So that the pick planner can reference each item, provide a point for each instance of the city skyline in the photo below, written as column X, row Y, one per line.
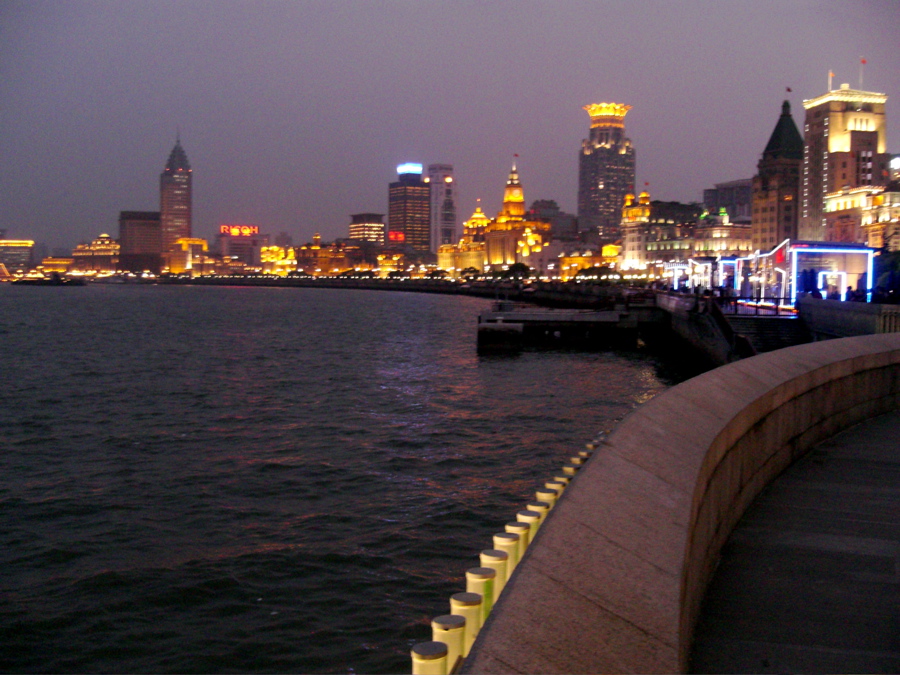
column 301, row 121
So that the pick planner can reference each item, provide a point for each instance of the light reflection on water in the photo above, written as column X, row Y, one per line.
column 250, row 479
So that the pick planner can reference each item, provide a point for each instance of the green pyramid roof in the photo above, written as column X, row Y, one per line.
column 785, row 141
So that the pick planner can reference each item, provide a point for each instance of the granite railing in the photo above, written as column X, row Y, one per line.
column 614, row 579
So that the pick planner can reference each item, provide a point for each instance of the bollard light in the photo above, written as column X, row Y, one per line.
column 481, row 580
column 563, row 478
column 498, row 561
column 547, row 496
column 557, row 485
column 524, row 532
column 451, row 630
column 508, row 542
column 429, row 658
column 468, row 606
column 533, row 519
column 543, row 508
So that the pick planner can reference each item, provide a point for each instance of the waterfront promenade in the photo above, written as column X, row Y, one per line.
column 809, row 580
column 615, row 579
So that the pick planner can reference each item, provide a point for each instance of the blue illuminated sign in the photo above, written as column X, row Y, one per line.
column 409, row 167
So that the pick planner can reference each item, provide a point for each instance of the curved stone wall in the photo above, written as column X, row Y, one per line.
column 615, row 577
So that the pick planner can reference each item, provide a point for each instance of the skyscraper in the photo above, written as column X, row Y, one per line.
column 605, row 169
column 175, row 198
column 409, row 209
column 844, row 148
column 443, row 205
column 776, row 186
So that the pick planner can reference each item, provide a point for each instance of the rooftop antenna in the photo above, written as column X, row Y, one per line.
column 862, row 62
column 830, row 75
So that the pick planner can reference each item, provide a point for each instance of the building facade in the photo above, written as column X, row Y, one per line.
column 776, row 186
column 511, row 237
column 443, row 205
column 367, row 227
column 101, row 255
column 409, row 209
column 16, row 255
column 140, row 241
column 242, row 243
column 175, row 202
column 605, row 169
column 844, row 148
column 735, row 196
column 469, row 254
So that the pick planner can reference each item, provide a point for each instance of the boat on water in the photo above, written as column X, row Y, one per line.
column 54, row 280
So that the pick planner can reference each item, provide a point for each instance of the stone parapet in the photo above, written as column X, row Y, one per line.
column 614, row 579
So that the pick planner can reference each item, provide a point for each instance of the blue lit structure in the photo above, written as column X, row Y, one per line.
column 792, row 268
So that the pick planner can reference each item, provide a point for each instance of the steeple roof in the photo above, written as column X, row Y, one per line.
column 178, row 160
column 785, row 141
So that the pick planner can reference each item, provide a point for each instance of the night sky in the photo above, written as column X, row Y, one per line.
column 295, row 114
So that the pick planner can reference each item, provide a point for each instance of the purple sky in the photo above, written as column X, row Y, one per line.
column 295, row 114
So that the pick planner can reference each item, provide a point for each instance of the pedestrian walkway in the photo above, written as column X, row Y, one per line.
column 809, row 581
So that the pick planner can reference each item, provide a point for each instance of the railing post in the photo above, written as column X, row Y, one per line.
column 429, row 658
column 451, row 630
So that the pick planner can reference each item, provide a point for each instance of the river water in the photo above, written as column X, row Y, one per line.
column 206, row 479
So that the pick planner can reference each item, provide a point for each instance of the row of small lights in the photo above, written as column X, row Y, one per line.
column 453, row 634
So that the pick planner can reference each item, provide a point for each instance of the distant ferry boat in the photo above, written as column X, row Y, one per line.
column 55, row 280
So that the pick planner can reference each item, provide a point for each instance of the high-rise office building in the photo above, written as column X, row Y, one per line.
column 844, row 148
column 605, row 170
column 175, row 198
column 776, row 186
column 409, row 209
column 443, row 205
column 140, row 241
column 367, row 227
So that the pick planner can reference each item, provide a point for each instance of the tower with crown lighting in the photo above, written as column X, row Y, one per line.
column 605, row 170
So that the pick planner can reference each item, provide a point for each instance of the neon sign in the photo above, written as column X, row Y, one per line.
column 399, row 237
column 409, row 167
column 239, row 230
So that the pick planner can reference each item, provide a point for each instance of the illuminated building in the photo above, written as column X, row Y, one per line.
column 140, row 241
column 409, row 209
column 717, row 236
column 101, row 255
column 511, row 237
column 443, row 205
column 776, row 186
column 189, row 255
column 54, row 264
column 367, row 227
column 316, row 259
column 656, row 232
column 241, row 242
column 869, row 215
column 175, row 198
column 278, row 260
column 16, row 254
column 605, row 169
column 735, row 196
column 469, row 253
column 844, row 148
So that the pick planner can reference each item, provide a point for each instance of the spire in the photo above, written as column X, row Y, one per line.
column 785, row 141
column 178, row 160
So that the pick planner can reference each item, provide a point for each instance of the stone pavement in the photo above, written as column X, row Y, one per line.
column 809, row 581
